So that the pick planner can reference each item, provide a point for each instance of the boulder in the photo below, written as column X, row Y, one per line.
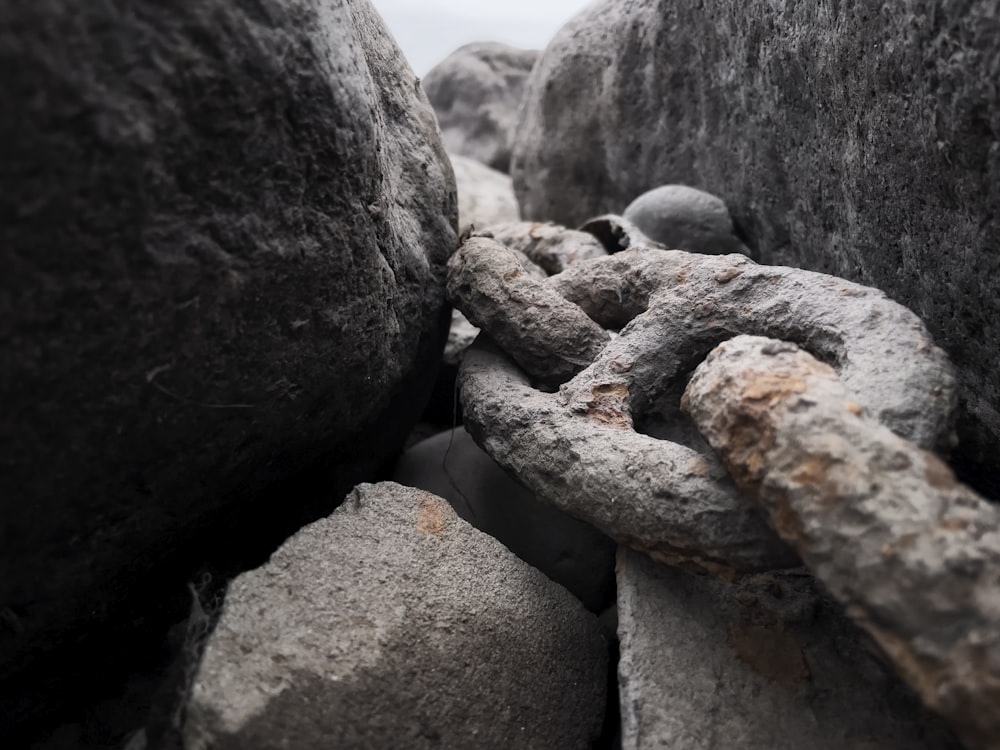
column 476, row 92
column 849, row 138
column 766, row 663
column 221, row 272
column 485, row 196
column 684, row 218
column 570, row 552
column 394, row 623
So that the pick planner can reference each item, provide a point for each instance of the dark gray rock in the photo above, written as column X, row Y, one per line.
column 855, row 139
column 393, row 623
column 766, row 663
column 567, row 550
column 485, row 196
column 476, row 92
column 223, row 231
column 684, row 218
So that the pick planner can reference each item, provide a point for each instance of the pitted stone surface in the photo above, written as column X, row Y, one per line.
column 913, row 555
column 768, row 663
column 393, row 623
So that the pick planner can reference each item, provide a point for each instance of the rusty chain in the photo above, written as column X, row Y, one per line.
column 825, row 416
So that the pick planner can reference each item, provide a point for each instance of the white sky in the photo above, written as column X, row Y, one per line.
column 429, row 30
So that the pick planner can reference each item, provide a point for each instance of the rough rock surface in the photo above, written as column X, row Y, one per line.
column 857, row 139
column 911, row 553
column 223, row 230
column 393, row 623
column 768, row 663
column 485, row 196
column 476, row 92
column 684, row 218
column 570, row 552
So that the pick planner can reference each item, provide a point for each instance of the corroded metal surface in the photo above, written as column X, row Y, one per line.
column 912, row 554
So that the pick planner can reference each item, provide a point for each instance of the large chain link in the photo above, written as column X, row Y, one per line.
column 831, row 440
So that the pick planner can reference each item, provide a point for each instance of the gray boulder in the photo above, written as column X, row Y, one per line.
column 476, row 92
column 853, row 139
column 485, row 196
column 767, row 663
column 684, row 218
column 391, row 624
column 567, row 550
column 221, row 270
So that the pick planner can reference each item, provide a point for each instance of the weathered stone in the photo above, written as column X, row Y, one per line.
column 578, row 448
column 683, row 218
column 393, row 623
column 913, row 555
column 548, row 245
column 567, row 550
column 851, row 138
column 476, row 92
column 222, row 247
column 548, row 336
column 767, row 663
column 485, row 196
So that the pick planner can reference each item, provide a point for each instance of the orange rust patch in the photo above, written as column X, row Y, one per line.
column 607, row 404
column 814, row 472
column 429, row 518
column 771, row 387
column 853, row 408
column 937, row 473
column 771, row 652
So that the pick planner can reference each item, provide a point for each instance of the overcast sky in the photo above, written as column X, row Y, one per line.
column 429, row 30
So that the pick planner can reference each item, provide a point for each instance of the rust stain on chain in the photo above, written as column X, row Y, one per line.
column 772, row 387
column 607, row 404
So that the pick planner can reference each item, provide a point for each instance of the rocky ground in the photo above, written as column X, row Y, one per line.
column 707, row 459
